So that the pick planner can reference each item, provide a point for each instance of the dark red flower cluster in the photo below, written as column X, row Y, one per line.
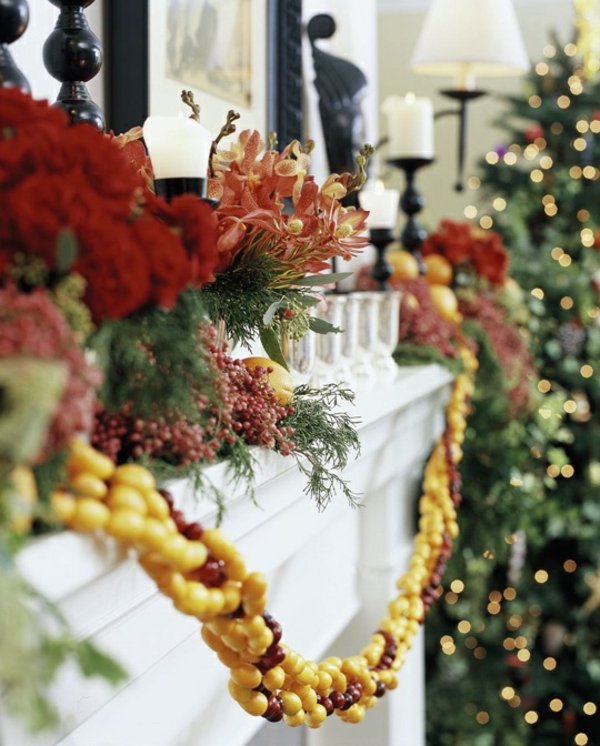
column 475, row 249
column 243, row 405
column 509, row 346
column 133, row 248
column 32, row 327
column 420, row 322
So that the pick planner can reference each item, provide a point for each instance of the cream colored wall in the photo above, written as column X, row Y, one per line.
column 397, row 33
column 27, row 51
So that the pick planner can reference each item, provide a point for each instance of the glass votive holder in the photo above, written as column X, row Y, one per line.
column 330, row 345
column 300, row 355
column 389, row 326
column 368, row 334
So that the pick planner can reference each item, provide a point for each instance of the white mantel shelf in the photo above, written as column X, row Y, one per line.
column 330, row 577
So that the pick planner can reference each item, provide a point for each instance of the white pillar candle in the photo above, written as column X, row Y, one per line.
column 178, row 147
column 382, row 205
column 410, row 126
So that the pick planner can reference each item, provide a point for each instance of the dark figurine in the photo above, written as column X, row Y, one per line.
column 341, row 86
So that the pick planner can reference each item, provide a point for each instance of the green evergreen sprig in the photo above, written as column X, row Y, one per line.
column 325, row 438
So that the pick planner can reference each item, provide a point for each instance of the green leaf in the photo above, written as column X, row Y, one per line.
column 272, row 310
column 320, row 326
column 325, row 279
column 66, row 250
column 270, row 341
column 94, row 663
column 305, row 300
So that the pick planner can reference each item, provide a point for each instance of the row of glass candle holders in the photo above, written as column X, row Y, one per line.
column 361, row 353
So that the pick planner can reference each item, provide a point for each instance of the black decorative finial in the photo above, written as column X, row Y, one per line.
column 73, row 55
column 14, row 17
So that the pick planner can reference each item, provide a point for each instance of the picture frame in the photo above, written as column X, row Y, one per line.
column 137, row 86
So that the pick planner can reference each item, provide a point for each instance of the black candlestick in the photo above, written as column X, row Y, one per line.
column 14, row 17
column 412, row 202
column 73, row 55
column 381, row 270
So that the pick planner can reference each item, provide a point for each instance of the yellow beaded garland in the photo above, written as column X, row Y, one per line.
column 267, row 678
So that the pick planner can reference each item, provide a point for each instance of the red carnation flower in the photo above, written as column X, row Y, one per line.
column 116, row 269
column 19, row 111
column 170, row 269
column 198, row 224
column 39, row 208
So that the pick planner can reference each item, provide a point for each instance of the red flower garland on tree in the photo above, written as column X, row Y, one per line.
column 476, row 250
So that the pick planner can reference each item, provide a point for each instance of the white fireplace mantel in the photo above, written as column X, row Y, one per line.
column 330, row 577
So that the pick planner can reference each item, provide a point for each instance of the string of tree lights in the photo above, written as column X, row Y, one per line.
column 515, row 648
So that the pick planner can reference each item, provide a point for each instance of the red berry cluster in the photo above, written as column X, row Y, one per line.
column 243, row 405
column 420, row 323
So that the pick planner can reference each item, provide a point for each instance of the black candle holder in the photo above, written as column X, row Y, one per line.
column 73, row 55
column 14, row 17
column 171, row 188
column 412, row 202
column 381, row 271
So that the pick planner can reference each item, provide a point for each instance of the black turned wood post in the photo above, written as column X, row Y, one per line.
column 73, row 55
column 14, row 17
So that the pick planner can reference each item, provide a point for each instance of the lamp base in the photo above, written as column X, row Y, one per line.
column 171, row 188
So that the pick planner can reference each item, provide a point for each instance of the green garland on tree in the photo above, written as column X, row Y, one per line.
column 525, row 662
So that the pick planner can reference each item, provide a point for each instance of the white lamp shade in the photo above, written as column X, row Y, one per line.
column 178, row 147
column 467, row 38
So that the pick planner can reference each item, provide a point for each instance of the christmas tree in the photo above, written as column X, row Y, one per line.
column 514, row 653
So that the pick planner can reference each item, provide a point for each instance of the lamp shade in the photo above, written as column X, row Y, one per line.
column 468, row 38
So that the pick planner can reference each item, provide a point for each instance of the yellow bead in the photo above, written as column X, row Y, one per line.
column 63, row 505
column 156, row 504
column 88, row 485
column 274, row 678
column 174, row 550
column 325, row 681
column 316, row 716
column 309, row 699
column 196, row 599
column 215, row 540
column 307, row 676
column 256, row 705
column 355, row 714
column 125, row 525
column 235, row 568
column 339, row 683
column 90, row 515
column 123, row 496
column 246, row 675
column 229, row 657
column 295, row 720
column 291, row 703
column 241, row 694
column 194, row 556
column 254, row 625
column 135, row 476
column 254, row 586
column 84, row 458
column 232, row 594
column 154, row 534
column 255, row 605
